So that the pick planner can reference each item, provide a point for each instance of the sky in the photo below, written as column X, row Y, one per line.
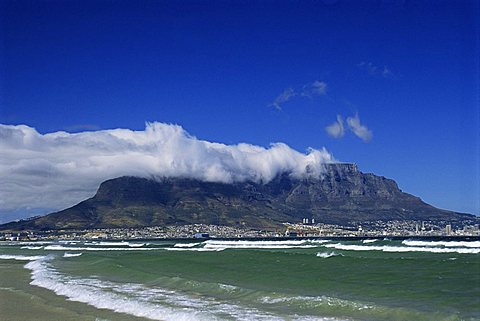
column 392, row 86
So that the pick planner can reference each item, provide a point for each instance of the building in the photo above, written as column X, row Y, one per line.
column 201, row 235
column 448, row 229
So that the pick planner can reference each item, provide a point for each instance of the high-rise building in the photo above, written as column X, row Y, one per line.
column 448, row 229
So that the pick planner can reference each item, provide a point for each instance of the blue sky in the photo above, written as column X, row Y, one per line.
column 407, row 69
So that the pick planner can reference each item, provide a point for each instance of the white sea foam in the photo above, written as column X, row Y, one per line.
column 114, row 243
column 369, row 241
column 186, row 244
column 318, row 241
column 316, row 300
column 326, row 255
column 105, row 243
column 31, row 247
column 136, row 244
column 71, row 248
column 29, row 243
column 94, row 293
column 68, row 242
column 138, row 300
column 66, row 254
column 474, row 244
column 280, row 242
column 244, row 244
column 220, row 245
column 228, row 287
column 349, row 247
column 197, row 249
column 237, row 246
column 20, row 257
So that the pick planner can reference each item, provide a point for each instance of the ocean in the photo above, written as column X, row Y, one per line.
column 275, row 279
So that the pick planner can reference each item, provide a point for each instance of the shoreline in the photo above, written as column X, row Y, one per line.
column 41, row 304
column 282, row 238
column 292, row 274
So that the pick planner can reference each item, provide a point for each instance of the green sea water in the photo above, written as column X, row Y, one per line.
column 331, row 279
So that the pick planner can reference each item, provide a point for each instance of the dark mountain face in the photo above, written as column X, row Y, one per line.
column 343, row 195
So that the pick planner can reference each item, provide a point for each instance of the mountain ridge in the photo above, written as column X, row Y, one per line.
column 341, row 195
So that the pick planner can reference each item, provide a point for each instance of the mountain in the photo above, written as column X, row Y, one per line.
column 342, row 195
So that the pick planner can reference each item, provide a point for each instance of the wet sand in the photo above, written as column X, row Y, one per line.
column 20, row 301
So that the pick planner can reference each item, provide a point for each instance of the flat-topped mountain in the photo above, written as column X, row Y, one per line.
column 341, row 195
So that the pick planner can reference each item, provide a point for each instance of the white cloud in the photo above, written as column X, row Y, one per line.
column 316, row 88
column 358, row 129
column 59, row 169
column 285, row 96
column 374, row 70
column 336, row 129
column 386, row 72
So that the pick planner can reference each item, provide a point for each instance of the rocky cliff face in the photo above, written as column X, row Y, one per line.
column 342, row 195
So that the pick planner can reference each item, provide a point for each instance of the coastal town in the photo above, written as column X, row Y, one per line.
column 306, row 228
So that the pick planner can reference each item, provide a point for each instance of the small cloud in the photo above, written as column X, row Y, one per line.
column 386, row 73
column 368, row 67
column 358, row 129
column 374, row 70
column 316, row 88
column 285, row 96
column 336, row 130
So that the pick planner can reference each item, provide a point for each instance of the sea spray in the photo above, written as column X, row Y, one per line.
column 326, row 255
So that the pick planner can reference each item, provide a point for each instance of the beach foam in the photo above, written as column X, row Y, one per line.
column 136, row 299
column 92, row 292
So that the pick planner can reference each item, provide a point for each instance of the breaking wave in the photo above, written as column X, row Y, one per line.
column 326, row 255
column 474, row 244
column 244, row 244
column 80, row 248
column 66, row 254
column 385, row 248
column 139, row 300
column 186, row 244
column 195, row 249
column 118, row 243
column 20, row 257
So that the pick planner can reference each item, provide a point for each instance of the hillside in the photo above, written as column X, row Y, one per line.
column 343, row 195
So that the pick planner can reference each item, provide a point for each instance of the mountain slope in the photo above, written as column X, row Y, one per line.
column 343, row 195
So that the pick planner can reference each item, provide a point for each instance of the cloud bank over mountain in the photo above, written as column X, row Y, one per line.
column 59, row 169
